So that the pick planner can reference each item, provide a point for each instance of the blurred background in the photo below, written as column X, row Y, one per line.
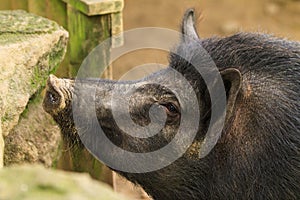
column 215, row 18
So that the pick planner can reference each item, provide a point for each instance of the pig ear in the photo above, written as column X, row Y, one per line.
column 232, row 80
column 188, row 29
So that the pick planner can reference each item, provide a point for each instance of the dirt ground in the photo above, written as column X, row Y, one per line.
column 215, row 17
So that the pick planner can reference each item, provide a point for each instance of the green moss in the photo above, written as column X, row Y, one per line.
column 18, row 25
column 86, row 32
column 36, row 98
column 56, row 56
column 37, row 78
column 51, row 189
column 6, row 117
column 79, row 5
column 40, row 73
column 11, row 38
column 26, row 23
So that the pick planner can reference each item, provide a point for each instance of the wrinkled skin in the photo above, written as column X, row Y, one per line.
column 258, row 154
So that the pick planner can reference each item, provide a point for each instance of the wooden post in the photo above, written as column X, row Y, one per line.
column 89, row 23
column 19, row 4
column 86, row 32
column 37, row 7
column 5, row 5
column 57, row 10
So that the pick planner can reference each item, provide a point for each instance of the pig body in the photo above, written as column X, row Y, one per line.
column 258, row 153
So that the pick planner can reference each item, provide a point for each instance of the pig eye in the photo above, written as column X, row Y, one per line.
column 171, row 108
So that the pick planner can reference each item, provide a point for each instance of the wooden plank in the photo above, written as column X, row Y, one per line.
column 19, row 4
column 5, row 5
column 37, row 7
column 116, row 29
column 57, row 10
column 86, row 32
column 97, row 7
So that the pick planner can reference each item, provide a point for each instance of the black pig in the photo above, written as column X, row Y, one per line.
column 258, row 153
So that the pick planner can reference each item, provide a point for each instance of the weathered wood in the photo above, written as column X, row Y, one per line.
column 89, row 22
column 97, row 7
column 57, row 11
column 37, row 7
column 86, row 32
column 51, row 9
column 5, row 5
column 87, row 29
column 19, row 4
column 80, row 160
column 116, row 29
column 102, row 7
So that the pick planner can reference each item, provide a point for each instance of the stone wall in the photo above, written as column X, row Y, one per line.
column 30, row 134
column 31, row 47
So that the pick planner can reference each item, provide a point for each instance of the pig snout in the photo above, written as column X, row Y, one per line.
column 58, row 94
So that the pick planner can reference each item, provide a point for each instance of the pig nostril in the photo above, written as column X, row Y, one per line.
column 53, row 98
